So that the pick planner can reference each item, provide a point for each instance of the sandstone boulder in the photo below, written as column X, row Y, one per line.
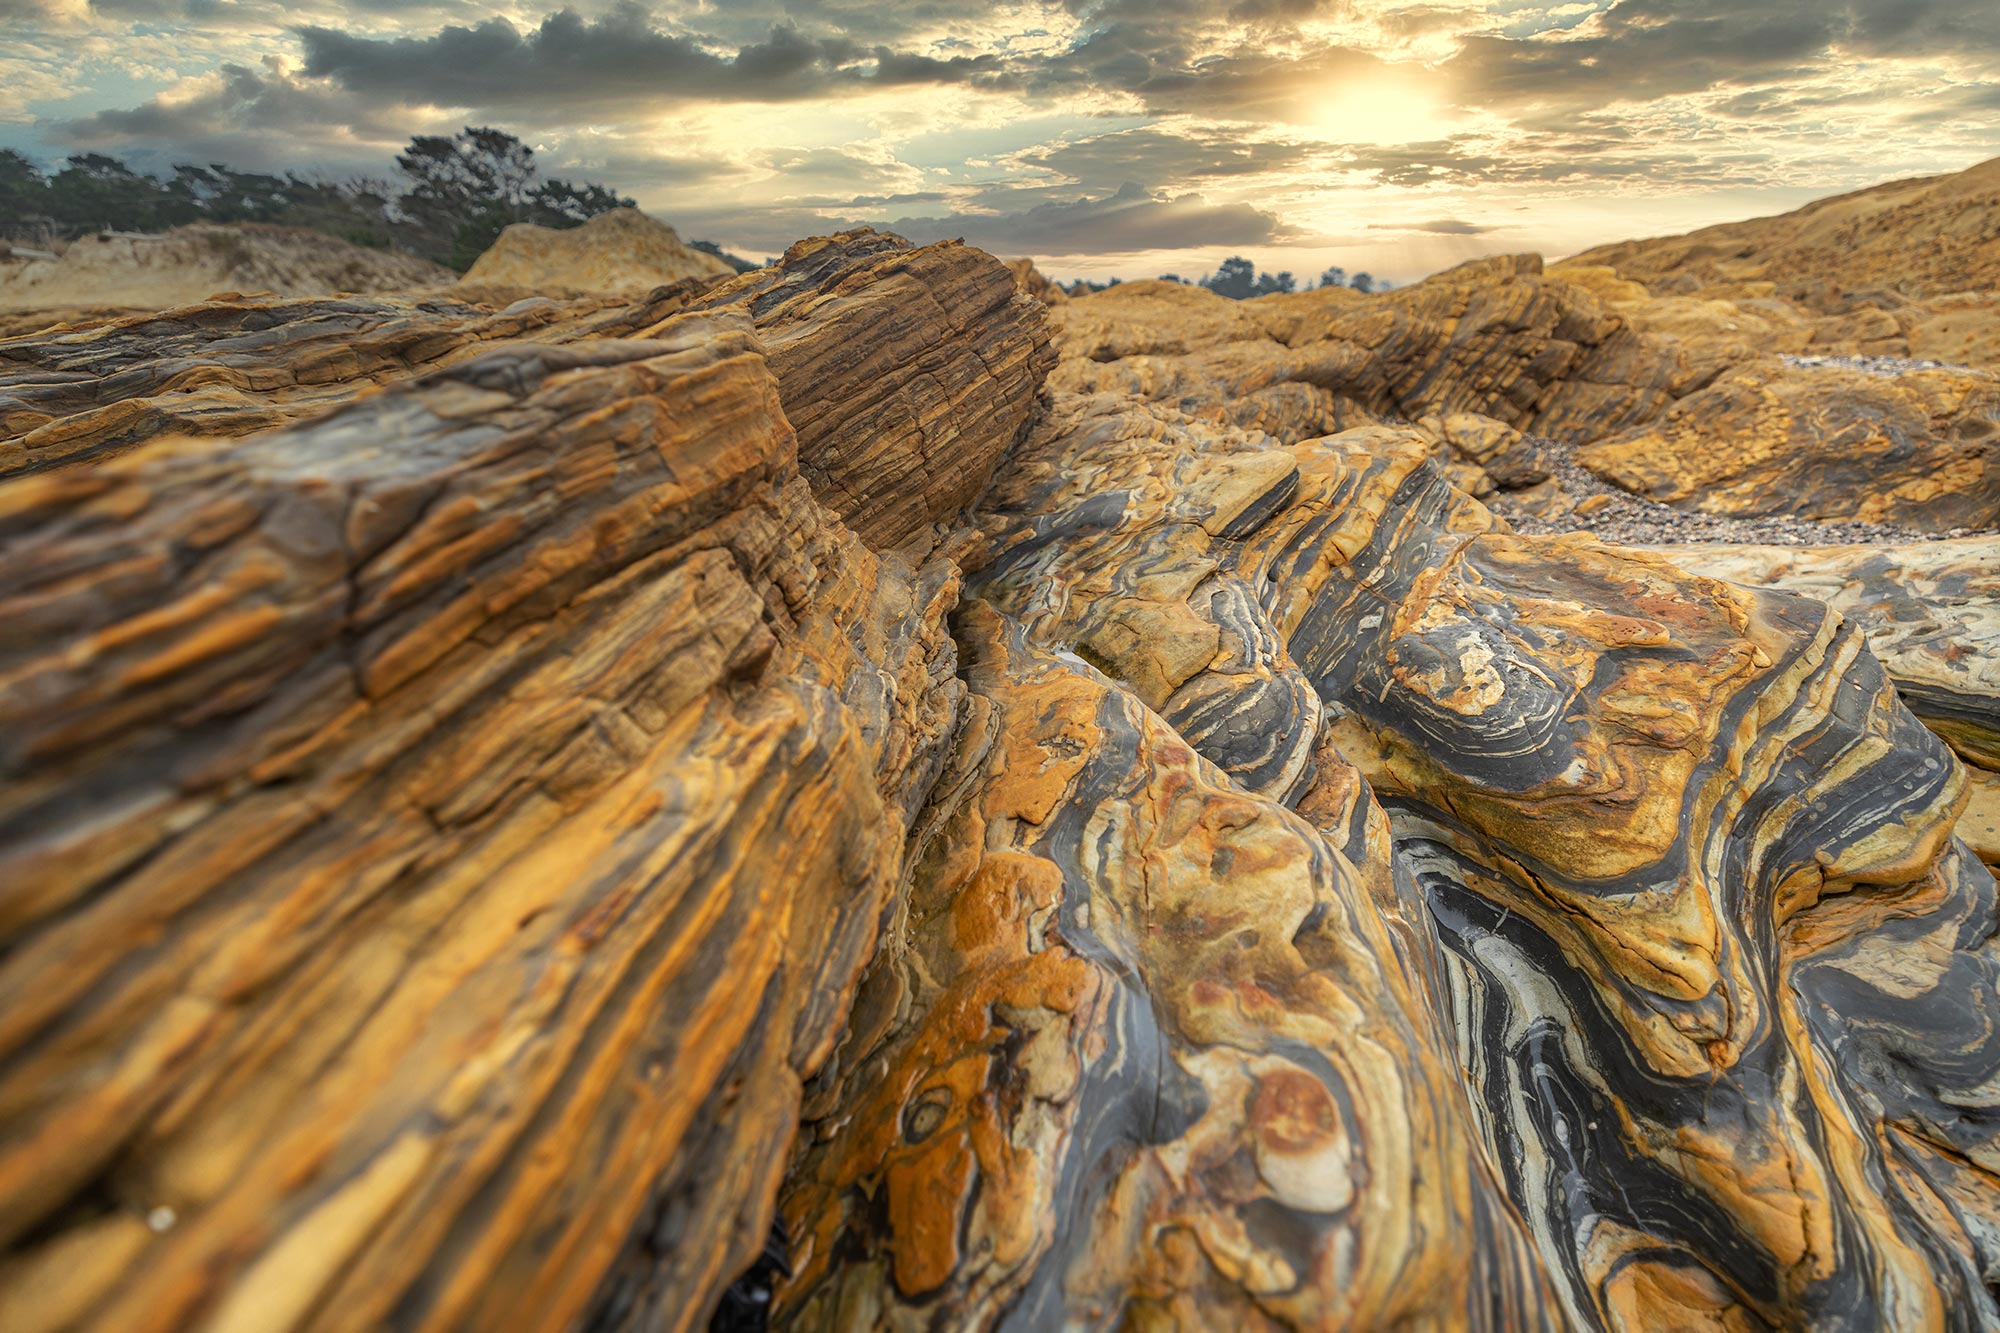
column 623, row 251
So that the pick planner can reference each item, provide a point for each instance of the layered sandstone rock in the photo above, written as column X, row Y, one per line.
column 907, row 372
column 1931, row 613
column 1121, row 844
column 622, row 251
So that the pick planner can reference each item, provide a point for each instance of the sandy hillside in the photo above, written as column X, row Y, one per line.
column 189, row 263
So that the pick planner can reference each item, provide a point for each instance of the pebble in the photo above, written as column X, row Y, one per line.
column 1604, row 511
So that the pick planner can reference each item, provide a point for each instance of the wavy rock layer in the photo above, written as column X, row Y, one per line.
column 474, row 857
column 1661, row 831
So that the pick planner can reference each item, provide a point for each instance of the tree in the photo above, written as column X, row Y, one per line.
column 1361, row 282
column 222, row 195
column 557, row 203
column 465, row 189
column 93, row 191
column 1236, row 279
column 24, row 193
column 1269, row 284
column 737, row 262
column 358, row 209
column 456, row 195
column 1333, row 277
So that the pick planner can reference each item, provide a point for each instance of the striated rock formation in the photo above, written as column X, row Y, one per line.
column 1931, row 614
column 552, row 654
column 1906, row 269
column 230, row 367
column 907, row 372
column 1494, row 337
column 1113, row 842
column 189, row 264
column 622, row 251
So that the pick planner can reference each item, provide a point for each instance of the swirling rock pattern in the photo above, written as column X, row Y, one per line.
column 1131, row 845
column 1931, row 612
column 1150, row 1054
column 1668, row 834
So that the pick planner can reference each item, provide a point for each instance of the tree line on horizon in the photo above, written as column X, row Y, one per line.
column 1239, row 280
column 456, row 193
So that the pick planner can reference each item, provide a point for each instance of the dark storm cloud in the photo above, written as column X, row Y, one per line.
column 617, row 58
column 1638, row 50
column 1157, row 157
column 1132, row 219
column 200, row 11
column 1947, row 105
column 1174, row 57
column 249, row 118
column 1534, row 160
column 1156, row 56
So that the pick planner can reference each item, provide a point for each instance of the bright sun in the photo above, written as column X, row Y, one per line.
column 1380, row 111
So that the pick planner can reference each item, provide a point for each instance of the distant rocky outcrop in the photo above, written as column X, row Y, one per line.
column 189, row 264
column 1031, row 282
column 1906, row 269
column 1076, row 814
column 1724, row 428
column 623, row 251
column 1926, row 237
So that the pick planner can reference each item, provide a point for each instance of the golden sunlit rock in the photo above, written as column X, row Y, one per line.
column 859, row 795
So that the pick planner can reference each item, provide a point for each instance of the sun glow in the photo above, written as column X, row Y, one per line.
column 1380, row 111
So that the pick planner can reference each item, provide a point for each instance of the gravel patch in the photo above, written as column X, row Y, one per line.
column 1630, row 520
column 1871, row 365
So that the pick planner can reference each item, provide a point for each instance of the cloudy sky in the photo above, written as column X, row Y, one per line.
column 1103, row 137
